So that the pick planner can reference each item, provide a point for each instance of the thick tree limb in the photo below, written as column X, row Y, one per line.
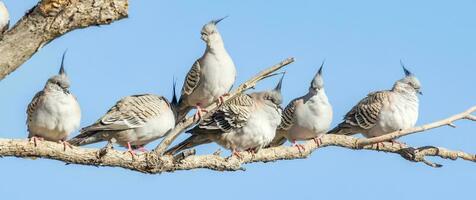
column 445, row 122
column 51, row 19
column 188, row 122
column 150, row 163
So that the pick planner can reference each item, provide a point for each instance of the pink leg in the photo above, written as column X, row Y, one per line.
column 130, row 150
column 35, row 138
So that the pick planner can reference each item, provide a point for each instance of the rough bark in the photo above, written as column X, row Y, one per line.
column 49, row 20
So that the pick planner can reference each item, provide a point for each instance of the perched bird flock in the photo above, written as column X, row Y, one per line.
column 247, row 122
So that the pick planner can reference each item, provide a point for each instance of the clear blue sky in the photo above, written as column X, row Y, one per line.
column 362, row 42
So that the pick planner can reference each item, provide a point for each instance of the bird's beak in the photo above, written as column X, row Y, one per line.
column 62, row 71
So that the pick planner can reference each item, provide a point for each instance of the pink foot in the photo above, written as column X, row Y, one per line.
column 198, row 115
column 378, row 145
column 35, row 138
column 251, row 151
column 318, row 141
column 236, row 153
column 65, row 145
column 298, row 146
column 401, row 144
column 221, row 101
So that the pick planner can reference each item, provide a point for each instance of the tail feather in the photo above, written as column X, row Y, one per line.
column 342, row 129
column 86, row 138
column 278, row 140
column 190, row 142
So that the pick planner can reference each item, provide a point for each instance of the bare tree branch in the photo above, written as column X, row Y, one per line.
column 188, row 122
column 51, row 19
column 445, row 122
column 152, row 163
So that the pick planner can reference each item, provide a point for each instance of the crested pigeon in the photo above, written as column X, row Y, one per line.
column 306, row 117
column 4, row 19
column 54, row 112
column 246, row 122
column 383, row 112
column 132, row 122
column 210, row 77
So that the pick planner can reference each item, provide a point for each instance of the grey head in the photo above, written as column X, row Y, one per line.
column 318, row 82
column 210, row 32
column 409, row 83
column 61, row 80
column 273, row 97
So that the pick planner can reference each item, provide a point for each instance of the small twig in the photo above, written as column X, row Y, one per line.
column 184, row 154
column 471, row 117
column 103, row 151
column 188, row 122
column 431, row 164
column 217, row 152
